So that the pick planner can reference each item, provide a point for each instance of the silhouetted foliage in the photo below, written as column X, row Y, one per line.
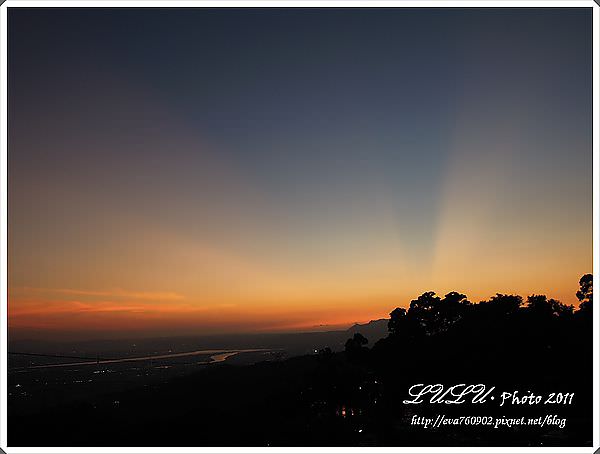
column 425, row 311
column 541, row 306
column 501, row 305
column 585, row 292
column 355, row 345
column 356, row 342
column 325, row 352
column 429, row 314
column 397, row 319
column 401, row 324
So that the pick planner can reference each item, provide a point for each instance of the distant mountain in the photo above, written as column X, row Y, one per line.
column 373, row 331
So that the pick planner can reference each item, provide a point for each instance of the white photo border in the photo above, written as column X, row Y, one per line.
column 591, row 4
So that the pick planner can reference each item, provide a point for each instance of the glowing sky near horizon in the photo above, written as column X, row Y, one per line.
column 240, row 170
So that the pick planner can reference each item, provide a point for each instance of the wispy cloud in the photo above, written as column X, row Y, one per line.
column 105, row 294
column 45, row 307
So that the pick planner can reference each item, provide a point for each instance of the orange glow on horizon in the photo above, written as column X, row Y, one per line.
column 144, row 312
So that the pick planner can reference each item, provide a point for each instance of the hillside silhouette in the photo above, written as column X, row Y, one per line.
column 355, row 397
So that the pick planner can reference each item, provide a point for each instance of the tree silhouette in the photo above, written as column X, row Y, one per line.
column 397, row 321
column 401, row 325
column 355, row 345
column 585, row 293
column 501, row 305
column 452, row 308
column 435, row 315
column 425, row 312
column 325, row 352
column 541, row 306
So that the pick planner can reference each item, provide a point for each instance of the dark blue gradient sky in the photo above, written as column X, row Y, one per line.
column 304, row 159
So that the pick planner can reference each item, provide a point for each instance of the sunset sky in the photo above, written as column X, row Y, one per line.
column 218, row 170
